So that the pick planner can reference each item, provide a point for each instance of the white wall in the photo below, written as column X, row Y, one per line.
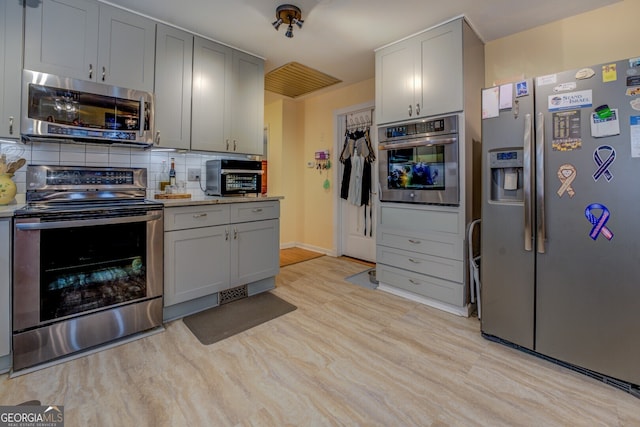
column 97, row 155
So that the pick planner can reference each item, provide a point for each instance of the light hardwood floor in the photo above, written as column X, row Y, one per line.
column 347, row 356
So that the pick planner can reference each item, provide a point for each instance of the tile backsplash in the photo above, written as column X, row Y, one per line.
column 54, row 153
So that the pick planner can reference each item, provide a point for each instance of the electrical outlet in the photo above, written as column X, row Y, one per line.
column 193, row 174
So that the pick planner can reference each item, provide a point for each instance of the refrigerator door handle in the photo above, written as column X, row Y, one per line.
column 541, row 225
column 528, row 234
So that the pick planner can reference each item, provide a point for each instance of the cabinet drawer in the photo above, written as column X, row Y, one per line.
column 422, row 221
column 254, row 211
column 431, row 287
column 184, row 217
column 443, row 268
column 431, row 244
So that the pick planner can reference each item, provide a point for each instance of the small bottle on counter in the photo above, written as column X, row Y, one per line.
column 172, row 172
column 163, row 179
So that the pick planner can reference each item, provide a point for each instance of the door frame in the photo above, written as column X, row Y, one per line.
column 337, row 179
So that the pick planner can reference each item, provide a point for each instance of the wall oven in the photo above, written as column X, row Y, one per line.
column 69, row 109
column 88, row 253
column 418, row 162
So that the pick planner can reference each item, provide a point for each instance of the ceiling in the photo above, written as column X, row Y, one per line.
column 339, row 36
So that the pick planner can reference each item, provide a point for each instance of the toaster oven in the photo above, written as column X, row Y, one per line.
column 229, row 177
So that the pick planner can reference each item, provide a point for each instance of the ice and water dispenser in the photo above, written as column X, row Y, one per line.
column 506, row 175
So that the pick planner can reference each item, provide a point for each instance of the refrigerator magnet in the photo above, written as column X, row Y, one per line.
column 563, row 87
column 604, row 122
column 567, row 135
column 522, row 89
column 604, row 156
column 566, row 174
column 634, row 125
column 599, row 223
column 585, row 73
column 609, row 73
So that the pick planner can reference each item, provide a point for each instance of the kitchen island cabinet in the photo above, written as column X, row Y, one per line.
column 212, row 248
column 10, row 68
column 5, row 294
column 87, row 40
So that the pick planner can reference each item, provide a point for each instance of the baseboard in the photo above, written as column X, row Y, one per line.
column 460, row 311
column 307, row 247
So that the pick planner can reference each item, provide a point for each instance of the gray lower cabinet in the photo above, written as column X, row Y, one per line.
column 5, row 294
column 211, row 248
column 421, row 251
column 88, row 40
column 10, row 68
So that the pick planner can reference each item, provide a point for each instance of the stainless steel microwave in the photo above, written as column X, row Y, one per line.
column 418, row 162
column 60, row 108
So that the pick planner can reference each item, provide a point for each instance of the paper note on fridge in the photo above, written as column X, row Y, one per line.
column 605, row 127
column 490, row 102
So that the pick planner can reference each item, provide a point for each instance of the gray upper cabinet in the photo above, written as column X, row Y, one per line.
column 10, row 67
column 421, row 76
column 87, row 40
column 228, row 100
column 210, row 120
column 174, row 64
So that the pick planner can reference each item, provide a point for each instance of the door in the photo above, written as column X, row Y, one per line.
column 508, row 267
column 356, row 230
column 588, row 251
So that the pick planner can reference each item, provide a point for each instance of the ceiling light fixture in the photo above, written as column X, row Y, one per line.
column 288, row 14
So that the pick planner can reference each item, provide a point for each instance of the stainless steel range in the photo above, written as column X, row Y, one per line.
column 88, row 254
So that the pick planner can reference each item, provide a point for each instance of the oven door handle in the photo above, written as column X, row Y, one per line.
column 85, row 222
column 232, row 171
column 420, row 143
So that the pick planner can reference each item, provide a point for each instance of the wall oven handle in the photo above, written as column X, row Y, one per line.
column 232, row 171
column 25, row 226
column 419, row 143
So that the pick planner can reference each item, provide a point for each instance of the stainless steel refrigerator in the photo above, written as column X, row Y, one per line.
column 560, row 245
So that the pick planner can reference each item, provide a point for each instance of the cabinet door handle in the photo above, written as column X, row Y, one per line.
column 200, row 215
column 415, row 242
column 235, row 234
column 226, row 234
column 104, row 73
column 417, row 109
column 11, row 125
column 257, row 210
column 227, row 145
column 414, row 261
column 410, row 110
column 90, row 71
column 414, row 282
column 157, row 137
column 235, row 145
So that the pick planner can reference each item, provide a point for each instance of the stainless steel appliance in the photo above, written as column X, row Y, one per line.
column 559, row 217
column 419, row 162
column 76, row 110
column 228, row 177
column 88, row 261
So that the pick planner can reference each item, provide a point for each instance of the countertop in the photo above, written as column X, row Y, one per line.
column 6, row 211
column 196, row 200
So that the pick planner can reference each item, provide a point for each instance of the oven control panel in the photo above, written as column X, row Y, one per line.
column 41, row 177
column 419, row 128
column 89, row 177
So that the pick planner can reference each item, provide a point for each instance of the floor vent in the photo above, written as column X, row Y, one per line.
column 232, row 294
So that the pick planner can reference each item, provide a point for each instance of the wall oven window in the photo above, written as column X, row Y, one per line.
column 81, row 275
column 419, row 168
column 419, row 162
